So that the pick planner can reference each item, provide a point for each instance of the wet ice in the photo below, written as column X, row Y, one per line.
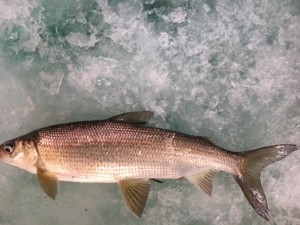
column 221, row 69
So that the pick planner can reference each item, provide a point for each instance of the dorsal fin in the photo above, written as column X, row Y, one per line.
column 136, row 118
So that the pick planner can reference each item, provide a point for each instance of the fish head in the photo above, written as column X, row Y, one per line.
column 20, row 153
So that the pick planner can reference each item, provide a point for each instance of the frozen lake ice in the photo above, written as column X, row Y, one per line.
column 223, row 69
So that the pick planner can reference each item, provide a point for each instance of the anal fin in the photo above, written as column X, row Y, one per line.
column 135, row 193
column 48, row 180
column 203, row 180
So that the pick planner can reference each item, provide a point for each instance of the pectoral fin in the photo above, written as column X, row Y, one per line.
column 47, row 180
column 135, row 193
column 203, row 180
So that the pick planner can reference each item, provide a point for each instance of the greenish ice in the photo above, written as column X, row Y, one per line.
column 227, row 70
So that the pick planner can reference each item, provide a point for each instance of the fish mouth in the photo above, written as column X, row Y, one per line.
column 7, row 160
column 2, row 155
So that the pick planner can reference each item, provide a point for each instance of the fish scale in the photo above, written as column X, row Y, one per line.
column 122, row 150
column 139, row 152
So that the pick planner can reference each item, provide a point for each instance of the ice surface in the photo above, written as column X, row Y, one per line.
column 224, row 69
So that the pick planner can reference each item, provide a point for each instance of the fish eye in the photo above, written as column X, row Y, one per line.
column 9, row 148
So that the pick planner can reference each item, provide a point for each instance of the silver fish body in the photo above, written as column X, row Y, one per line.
column 122, row 149
column 105, row 151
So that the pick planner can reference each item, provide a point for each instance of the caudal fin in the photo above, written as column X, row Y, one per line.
column 249, row 180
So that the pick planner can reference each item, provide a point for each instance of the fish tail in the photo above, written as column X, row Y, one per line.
column 249, row 177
